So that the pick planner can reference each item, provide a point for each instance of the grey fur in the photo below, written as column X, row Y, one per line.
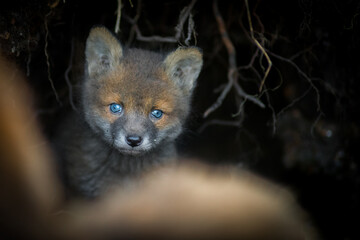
column 94, row 148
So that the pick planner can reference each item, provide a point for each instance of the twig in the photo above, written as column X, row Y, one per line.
column 190, row 30
column 308, row 79
column 262, row 28
column 118, row 17
column 273, row 113
column 28, row 61
column 283, row 110
column 185, row 14
column 246, row 96
column 219, row 88
column 222, row 96
column 134, row 22
column 315, row 123
column 225, row 36
column 293, row 102
column 301, row 52
column 232, row 70
column 241, row 108
column 259, row 46
column 153, row 38
column 47, row 57
column 67, row 76
column 252, row 60
column 251, row 66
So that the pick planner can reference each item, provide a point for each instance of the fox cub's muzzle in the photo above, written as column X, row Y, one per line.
column 134, row 133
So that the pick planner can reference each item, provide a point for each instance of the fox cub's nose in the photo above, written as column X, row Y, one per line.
column 133, row 140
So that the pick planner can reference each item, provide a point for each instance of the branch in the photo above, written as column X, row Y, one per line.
column 259, row 46
column 133, row 22
column 191, row 26
column 67, row 79
column 185, row 14
column 47, row 57
column 246, row 96
column 232, row 70
column 118, row 17
column 223, row 94
column 308, row 79
column 153, row 38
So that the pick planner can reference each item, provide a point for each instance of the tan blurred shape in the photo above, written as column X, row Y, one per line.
column 28, row 187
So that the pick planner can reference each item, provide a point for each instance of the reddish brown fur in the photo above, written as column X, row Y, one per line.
column 137, row 94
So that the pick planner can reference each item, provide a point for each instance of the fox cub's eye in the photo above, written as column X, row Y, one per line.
column 157, row 113
column 115, row 108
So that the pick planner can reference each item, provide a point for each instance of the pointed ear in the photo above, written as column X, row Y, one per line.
column 183, row 66
column 103, row 51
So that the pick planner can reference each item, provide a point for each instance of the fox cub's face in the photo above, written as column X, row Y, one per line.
column 136, row 99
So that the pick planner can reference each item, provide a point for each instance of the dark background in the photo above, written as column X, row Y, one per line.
column 306, row 137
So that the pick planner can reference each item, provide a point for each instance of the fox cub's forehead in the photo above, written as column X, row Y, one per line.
column 139, row 71
column 147, row 59
column 142, row 67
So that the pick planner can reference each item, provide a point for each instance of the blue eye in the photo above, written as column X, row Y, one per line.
column 115, row 108
column 157, row 113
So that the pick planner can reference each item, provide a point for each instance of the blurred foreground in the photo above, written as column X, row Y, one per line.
column 174, row 202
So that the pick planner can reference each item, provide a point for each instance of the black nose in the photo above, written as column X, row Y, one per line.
column 133, row 141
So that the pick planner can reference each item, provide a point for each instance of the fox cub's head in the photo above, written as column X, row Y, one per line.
column 136, row 99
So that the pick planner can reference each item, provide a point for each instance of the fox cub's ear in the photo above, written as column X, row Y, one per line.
column 103, row 51
column 183, row 66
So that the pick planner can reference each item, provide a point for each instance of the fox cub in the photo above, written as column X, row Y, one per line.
column 133, row 105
